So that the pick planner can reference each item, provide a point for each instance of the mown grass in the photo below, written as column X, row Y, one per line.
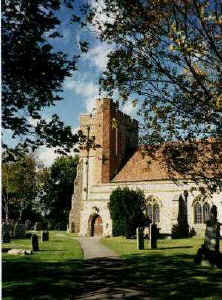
column 51, row 273
column 169, row 271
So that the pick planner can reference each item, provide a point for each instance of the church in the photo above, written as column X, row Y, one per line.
column 114, row 160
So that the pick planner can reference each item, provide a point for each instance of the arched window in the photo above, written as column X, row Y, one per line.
column 156, row 213
column 153, row 211
column 206, row 212
column 198, row 213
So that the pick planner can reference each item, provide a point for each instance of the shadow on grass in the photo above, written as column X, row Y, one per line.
column 161, row 276
column 179, row 247
column 175, row 277
column 32, row 280
column 71, row 279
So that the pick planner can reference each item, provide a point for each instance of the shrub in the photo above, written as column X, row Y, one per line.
column 126, row 210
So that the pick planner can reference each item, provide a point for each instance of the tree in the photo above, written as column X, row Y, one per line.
column 126, row 209
column 33, row 72
column 19, row 188
column 167, row 53
column 57, row 190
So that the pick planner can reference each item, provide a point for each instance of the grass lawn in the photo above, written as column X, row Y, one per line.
column 50, row 273
column 169, row 271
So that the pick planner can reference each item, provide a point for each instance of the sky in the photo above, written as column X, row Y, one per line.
column 81, row 90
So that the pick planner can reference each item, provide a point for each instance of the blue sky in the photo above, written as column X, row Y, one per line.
column 80, row 90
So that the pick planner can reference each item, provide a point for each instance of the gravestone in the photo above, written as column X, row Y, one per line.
column 5, row 233
column 44, row 226
column 154, row 232
column 44, row 236
column 35, row 242
column 19, row 231
column 19, row 252
column 28, row 224
column 140, row 238
column 209, row 253
column 212, row 232
column 37, row 226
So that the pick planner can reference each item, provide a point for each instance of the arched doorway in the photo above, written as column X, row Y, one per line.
column 96, row 226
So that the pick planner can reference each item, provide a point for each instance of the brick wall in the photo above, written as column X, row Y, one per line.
column 115, row 143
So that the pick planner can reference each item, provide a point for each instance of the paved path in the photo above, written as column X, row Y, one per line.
column 103, row 276
column 92, row 248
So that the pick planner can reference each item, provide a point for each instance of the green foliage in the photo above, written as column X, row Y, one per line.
column 167, row 54
column 57, row 190
column 126, row 209
column 33, row 72
column 19, row 188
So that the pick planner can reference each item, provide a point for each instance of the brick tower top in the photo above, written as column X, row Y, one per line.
column 117, row 136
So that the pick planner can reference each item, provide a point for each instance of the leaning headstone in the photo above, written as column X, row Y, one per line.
column 19, row 252
column 16, row 251
column 44, row 236
column 35, row 242
column 153, row 236
column 209, row 253
column 19, row 231
column 140, row 238
column 5, row 233
column 211, row 240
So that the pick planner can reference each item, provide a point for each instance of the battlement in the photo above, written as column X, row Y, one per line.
column 107, row 103
column 116, row 142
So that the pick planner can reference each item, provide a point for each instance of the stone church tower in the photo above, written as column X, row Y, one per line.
column 114, row 160
column 116, row 137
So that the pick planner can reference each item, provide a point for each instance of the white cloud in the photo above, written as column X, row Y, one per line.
column 47, row 155
column 75, row 130
column 32, row 121
column 129, row 109
column 100, row 18
column 97, row 56
column 86, row 89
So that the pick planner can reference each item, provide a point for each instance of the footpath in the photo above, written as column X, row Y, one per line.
column 104, row 274
column 92, row 248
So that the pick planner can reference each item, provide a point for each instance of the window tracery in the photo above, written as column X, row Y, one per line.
column 153, row 209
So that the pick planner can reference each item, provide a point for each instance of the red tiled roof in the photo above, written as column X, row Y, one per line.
column 144, row 166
